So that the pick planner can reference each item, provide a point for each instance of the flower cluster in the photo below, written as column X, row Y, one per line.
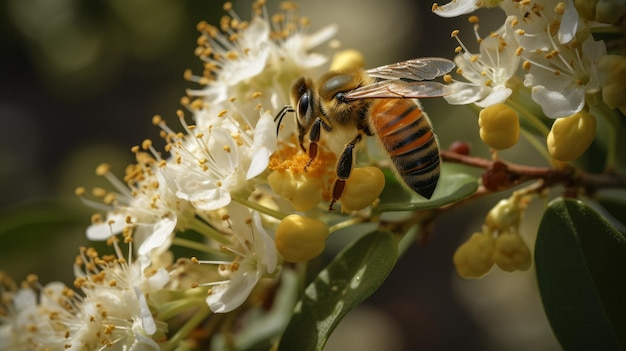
column 498, row 243
column 211, row 181
column 545, row 52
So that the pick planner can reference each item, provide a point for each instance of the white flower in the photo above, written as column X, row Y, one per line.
column 488, row 73
column 462, row 7
column 255, row 257
column 208, row 165
column 144, row 204
column 560, row 71
column 115, row 309
column 264, row 55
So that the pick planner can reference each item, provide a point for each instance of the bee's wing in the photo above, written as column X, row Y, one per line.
column 399, row 89
column 425, row 68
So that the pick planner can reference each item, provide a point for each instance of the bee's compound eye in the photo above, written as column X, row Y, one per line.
column 304, row 107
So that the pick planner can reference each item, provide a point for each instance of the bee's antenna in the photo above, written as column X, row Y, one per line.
column 281, row 114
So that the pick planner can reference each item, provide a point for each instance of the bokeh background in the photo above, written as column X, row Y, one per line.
column 81, row 79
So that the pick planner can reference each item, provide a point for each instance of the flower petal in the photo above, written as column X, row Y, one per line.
column 457, row 7
column 228, row 296
column 265, row 140
column 162, row 232
column 557, row 104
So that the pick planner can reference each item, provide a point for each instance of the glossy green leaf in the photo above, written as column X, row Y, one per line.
column 454, row 184
column 349, row 279
column 581, row 270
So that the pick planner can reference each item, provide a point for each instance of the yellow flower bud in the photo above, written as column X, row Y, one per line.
column 362, row 188
column 474, row 258
column 499, row 126
column 346, row 59
column 301, row 190
column 511, row 253
column 571, row 136
column 613, row 70
column 300, row 238
column 504, row 216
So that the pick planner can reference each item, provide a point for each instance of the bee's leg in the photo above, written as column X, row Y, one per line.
column 314, row 138
column 344, row 167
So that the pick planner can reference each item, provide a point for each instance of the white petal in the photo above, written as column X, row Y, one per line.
column 147, row 321
column 265, row 140
column 495, row 97
column 314, row 39
column 226, row 297
column 464, row 94
column 114, row 224
column 557, row 104
column 264, row 245
column 457, row 7
column 211, row 199
column 569, row 23
column 162, row 231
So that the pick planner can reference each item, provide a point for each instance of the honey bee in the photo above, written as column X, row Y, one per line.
column 378, row 102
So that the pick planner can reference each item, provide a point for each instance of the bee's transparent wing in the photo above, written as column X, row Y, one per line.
column 398, row 89
column 425, row 68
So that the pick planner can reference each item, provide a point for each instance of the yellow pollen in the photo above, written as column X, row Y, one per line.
column 454, row 33
column 458, row 49
column 447, row 78
column 288, row 6
column 520, row 32
column 225, row 217
column 146, row 144
column 489, row 82
column 257, row 94
column 103, row 169
column 559, row 9
column 473, row 19
column 180, row 113
column 558, row 73
column 156, row 119
column 80, row 191
column 228, row 6
column 226, row 148
column 474, row 58
column 218, row 183
column 187, row 74
column 194, row 260
column 518, row 51
column 134, row 149
column 98, row 192
column 194, row 285
column 222, row 113
column 526, row 65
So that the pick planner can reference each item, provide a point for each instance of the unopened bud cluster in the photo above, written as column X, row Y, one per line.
column 499, row 242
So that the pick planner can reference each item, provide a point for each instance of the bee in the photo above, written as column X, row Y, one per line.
column 380, row 102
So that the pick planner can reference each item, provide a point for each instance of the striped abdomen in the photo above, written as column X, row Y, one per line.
column 407, row 136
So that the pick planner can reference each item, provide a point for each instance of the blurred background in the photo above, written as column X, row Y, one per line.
column 81, row 79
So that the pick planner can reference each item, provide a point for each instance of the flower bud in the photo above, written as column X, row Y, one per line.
column 362, row 188
column 302, row 191
column 474, row 258
column 499, row 126
column 571, row 136
column 612, row 70
column 345, row 59
column 511, row 253
column 504, row 216
column 300, row 238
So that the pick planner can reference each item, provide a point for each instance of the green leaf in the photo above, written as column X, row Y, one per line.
column 454, row 184
column 349, row 279
column 581, row 270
